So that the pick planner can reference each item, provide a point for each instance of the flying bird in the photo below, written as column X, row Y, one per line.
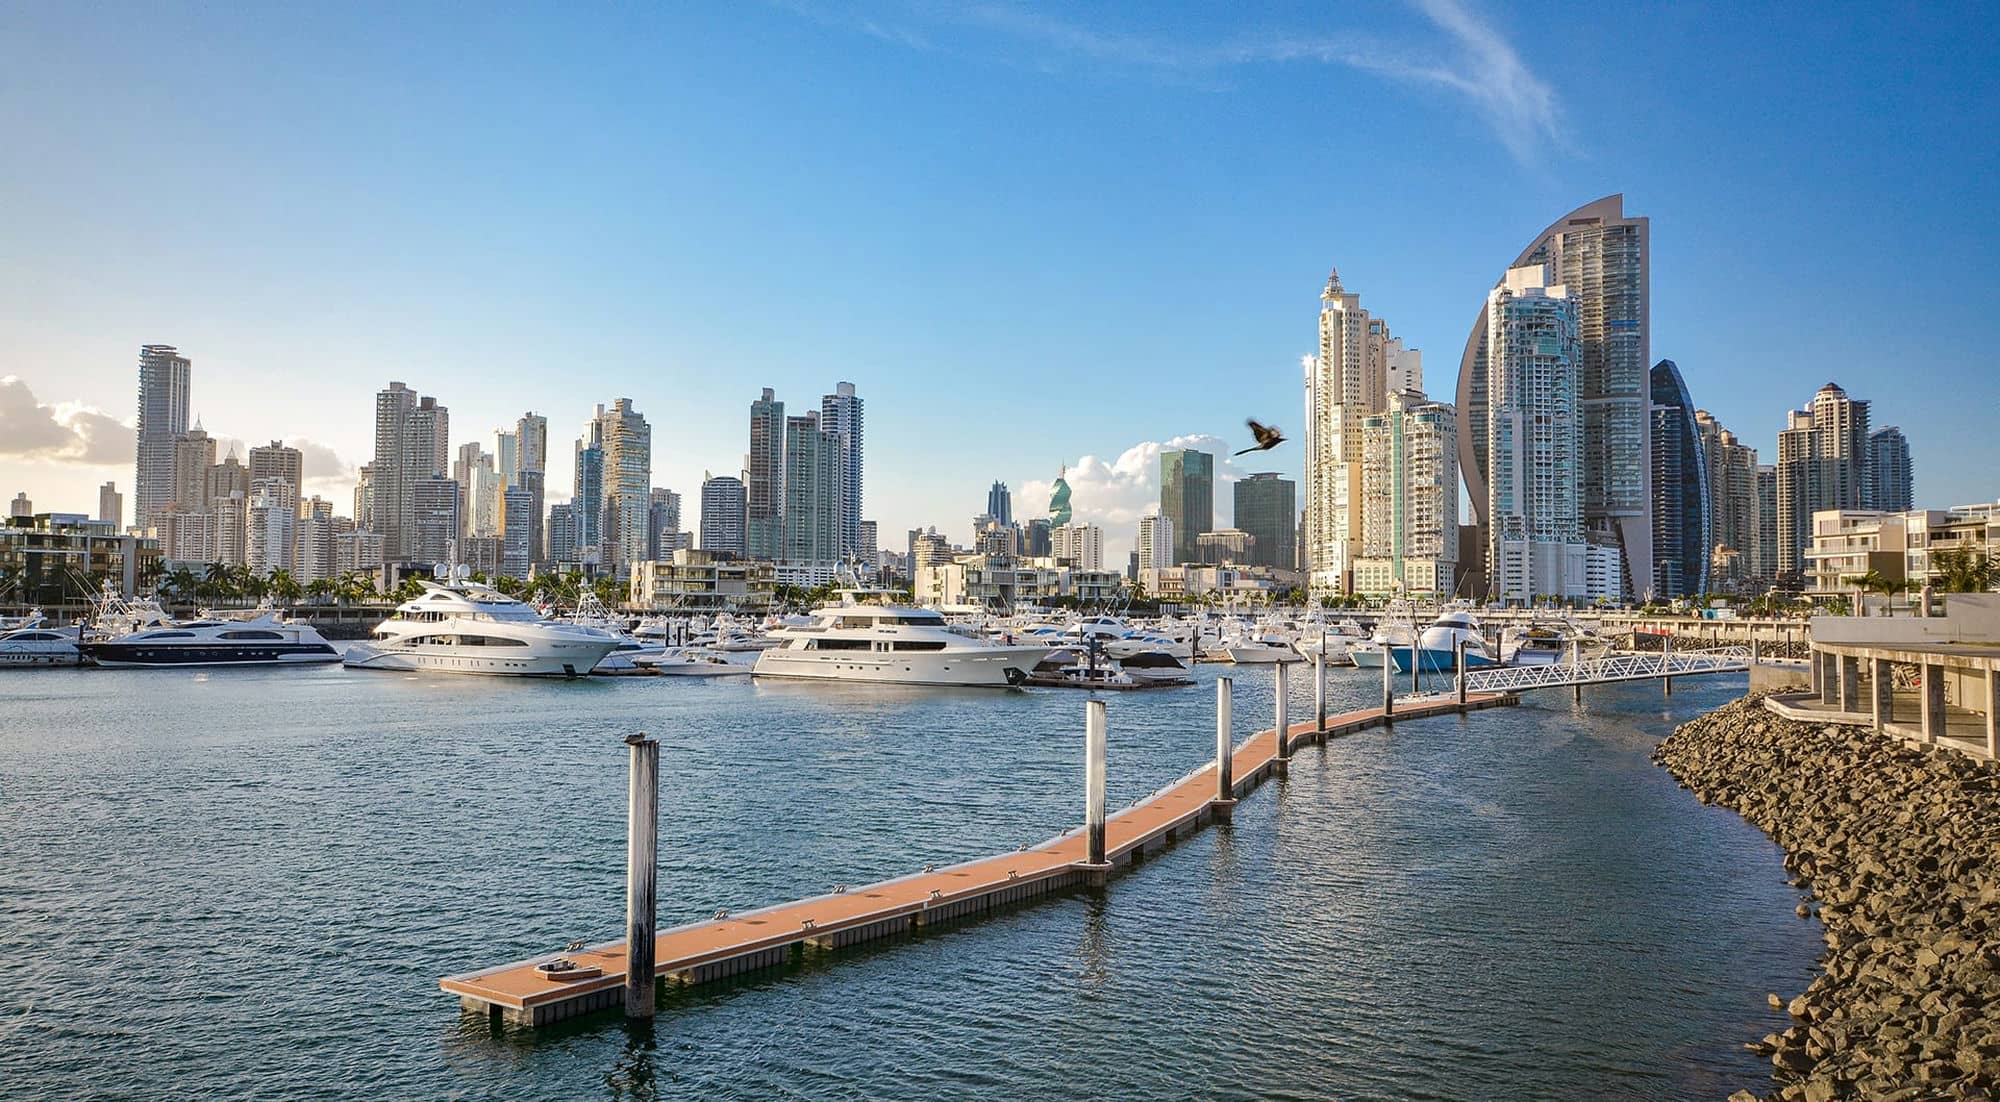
column 1267, row 438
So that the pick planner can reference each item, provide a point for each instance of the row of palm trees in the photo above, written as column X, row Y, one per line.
column 222, row 584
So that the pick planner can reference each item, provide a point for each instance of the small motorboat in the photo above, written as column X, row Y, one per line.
column 694, row 662
column 1436, row 649
column 1156, row 667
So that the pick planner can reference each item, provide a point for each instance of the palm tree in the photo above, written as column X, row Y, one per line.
column 283, row 586
column 322, row 589
column 1963, row 570
column 184, row 584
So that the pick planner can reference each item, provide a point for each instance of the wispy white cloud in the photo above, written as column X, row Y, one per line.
column 1471, row 60
column 1114, row 493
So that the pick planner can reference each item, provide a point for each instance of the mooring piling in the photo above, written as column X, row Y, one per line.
column 642, row 835
column 1093, row 782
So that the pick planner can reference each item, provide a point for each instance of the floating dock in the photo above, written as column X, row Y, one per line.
column 732, row 944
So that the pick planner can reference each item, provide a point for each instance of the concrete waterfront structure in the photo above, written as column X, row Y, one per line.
column 1822, row 464
column 1902, row 547
column 1187, row 497
column 722, row 515
column 1601, row 257
column 702, row 581
column 1409, row 499
column 734, row 944
column 1682, row 480
column 1266, row 506
column 1952, row 663
column 164, row 386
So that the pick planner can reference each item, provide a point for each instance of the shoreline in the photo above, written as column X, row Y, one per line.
column 1897, row 852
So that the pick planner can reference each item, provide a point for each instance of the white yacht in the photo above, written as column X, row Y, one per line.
column 31, row 644
column 695, row 662
column 895, row 644
column 1390, row 633
column 1156, row 667
column 471, row 628
column 266, row 640
column 1436, row 652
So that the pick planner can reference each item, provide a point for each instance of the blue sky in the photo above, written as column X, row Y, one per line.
column 1029, row 235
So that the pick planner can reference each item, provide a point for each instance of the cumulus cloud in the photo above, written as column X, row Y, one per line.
column 1113, row 494
column 67, row 432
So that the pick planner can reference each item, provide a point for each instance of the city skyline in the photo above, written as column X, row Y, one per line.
column 682, row 335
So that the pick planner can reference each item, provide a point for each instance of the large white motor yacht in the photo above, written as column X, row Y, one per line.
column 894, row 644
column 31, row 644
column 266, row 640
column 470, row 628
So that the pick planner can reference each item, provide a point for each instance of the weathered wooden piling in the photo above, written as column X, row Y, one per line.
column 642, row 835
column 1319, row 684
column 1458, row 663
column 1389, row 684
column 1666, row 662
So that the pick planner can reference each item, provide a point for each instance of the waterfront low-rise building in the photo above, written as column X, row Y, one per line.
column 702, row 581
column 58, row 559
column 1901, row 548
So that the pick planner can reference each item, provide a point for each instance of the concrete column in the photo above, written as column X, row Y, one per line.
column 1281, row 688
column 1850, row 682
column 1828, row 666
column 1754, row 656
column 1993, row 713
column 642, row 836
column 1093, row 781
column 1882, row 691
column 1388, row 686
column 1933, row 697
column 1458, row 661
column 1225, row 742
column 1812, row 671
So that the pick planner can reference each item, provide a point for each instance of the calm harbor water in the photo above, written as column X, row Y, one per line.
column 245, row 884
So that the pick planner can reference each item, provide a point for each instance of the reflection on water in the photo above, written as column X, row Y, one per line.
column 196, row 867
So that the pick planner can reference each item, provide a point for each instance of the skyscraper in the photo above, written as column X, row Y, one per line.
column 764, row 478
column 471, row 458
column 531, row 439
column 1601, row 258
column 722, row 514
column 1187, row 497
column 1000, row 503
column 433, row 523
column 811, row 476
column 111, row 505
column 1081, row 545
column 272, row 524
column 163, row 417
column 194, row 454
column 1735, row 532
column 586, row 502
column 1822, row 464
column 21, row 506
column 1409, row 498
column 628, row 482
column 277, row 463
column 870, row 555
column 1266, row 506
column 1533, row 422
column 517, row 528
column 412, row 443
column 1346, row 380
column 1765, row 567
column 1156, row 542
column 507, row 454
column 1889, row 469
column 1682, row 509
column 663, row 524
column 840, row 421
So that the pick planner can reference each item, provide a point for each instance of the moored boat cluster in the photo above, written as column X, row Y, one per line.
column 1900, row 850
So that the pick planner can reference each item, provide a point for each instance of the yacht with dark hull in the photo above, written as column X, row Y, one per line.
column 267, row 640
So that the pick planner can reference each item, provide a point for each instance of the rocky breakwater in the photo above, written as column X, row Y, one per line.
column 1900, row 851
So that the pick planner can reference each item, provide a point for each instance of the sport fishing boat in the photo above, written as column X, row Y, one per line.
column 264, row 640
column 470, row 628
column 1436, row 649
column 1547, row 642
column 896, row 644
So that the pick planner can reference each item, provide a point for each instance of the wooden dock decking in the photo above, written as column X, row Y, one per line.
column 733, row 944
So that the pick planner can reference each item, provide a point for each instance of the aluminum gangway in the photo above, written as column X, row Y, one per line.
column 1624, row 666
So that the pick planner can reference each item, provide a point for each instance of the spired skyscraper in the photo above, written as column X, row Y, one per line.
column 1187, row 497
column 1683, row 511
column 1600, row 257
column 164, row 379
column 1000, row 504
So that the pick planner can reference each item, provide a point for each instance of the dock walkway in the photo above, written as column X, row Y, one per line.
column 732, row 944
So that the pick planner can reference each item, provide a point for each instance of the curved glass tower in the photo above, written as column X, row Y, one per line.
column 1600, row 256
column 1683, row 514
